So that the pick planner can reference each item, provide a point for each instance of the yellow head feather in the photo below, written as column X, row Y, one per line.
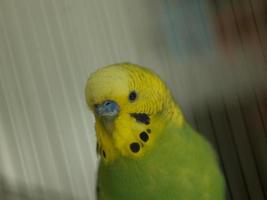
column 129, row 137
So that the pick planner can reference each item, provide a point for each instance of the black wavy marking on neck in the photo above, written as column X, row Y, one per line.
column 141, row 117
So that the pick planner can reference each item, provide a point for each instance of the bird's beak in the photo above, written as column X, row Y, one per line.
column 107, row 109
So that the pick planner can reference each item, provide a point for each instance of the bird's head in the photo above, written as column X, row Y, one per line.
column 131, row 105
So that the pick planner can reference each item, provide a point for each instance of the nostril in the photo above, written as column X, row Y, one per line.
column 107, row 108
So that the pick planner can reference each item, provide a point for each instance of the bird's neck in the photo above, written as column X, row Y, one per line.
column 172, row 113
column 142, row 133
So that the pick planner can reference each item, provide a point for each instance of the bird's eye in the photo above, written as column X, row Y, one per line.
column 132, row 96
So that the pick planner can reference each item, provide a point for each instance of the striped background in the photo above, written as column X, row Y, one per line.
column 200, row 48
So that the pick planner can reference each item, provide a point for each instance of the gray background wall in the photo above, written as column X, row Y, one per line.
column 49, row 47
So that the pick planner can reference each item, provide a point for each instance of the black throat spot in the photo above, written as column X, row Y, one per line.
column 141, row 117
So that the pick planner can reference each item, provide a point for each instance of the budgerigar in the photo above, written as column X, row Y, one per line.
column 148, row 150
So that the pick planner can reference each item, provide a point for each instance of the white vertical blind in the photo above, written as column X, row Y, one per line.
column 47, row 50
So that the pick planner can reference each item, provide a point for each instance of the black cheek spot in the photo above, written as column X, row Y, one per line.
column 144, row 136
column 135, row 147
column 148, row 130
column 104, row 154
column 141, row 117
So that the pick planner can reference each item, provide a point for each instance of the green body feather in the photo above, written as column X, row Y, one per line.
column 180, row 166
column 148, row 151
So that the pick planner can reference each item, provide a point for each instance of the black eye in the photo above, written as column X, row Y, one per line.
column 132, row 96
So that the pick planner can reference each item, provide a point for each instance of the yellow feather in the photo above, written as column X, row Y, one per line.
column 115, row 82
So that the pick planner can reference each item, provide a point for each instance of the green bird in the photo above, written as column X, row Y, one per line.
column 147, row 149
